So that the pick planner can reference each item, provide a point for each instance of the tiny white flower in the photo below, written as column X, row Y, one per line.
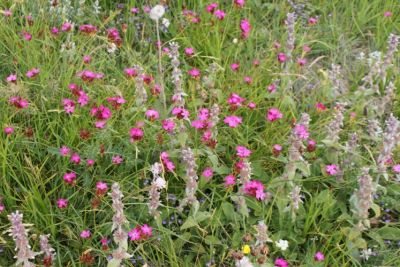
column 111, row 48
column 235, row 41
column 160, row 183
column 282, row 244
column 244, row 262
column 157, row 12
column 165, row 22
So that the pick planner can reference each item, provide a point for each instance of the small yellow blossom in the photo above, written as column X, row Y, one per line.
column 246, row 249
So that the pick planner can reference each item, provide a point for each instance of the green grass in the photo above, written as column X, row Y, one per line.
column 31, row 168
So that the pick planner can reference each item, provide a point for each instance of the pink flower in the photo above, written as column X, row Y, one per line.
column 255, row 188
column 89, row 76
column 136, row 134
column 281, row 57
column 256, row 62
column 396, row 168
column 211, row 7
column 320, row 107
column 235, row 100
column 117, row 159
column 69, row 105
column 135, row 234
column 301, row 131
column 64, row 151
column 85, row 234
column 88, row 29
column 180, row 112
column 101, row 188
column 12, row 78
column 208, row 173
column 301, row 61
column 27, row 36
column 130, row 72
column 233, row 121
column 8, row 130
column 245, row 27
column 306, row 48
column 276, row 149
column 239, row 3
column 62, row 203
column 247, row 79
column 271, row 88
column 274, row 114
column 87, row 59
column 279, row 262
column 146, row 230
column 235, row 66
column 319, row 256
column 116, row 101
column 332, row 169
column 7, row 13
column 168, row 125
column 18, row 102
column 195, row 73
column 83, row 98
column 198, row 124
column 242, row 152
column 168, row 164
column 134, row 10
column 230, row 180
column 75, row 158
column 32, row 73
column 219, row 14
column 251, row 105
column 89, row 162
column 152, row 114
column 69, row 177
column 387, row 14
column 66, row 27
column 101, row 112
column 312, row 21
column 189, row 51
column 311, row 145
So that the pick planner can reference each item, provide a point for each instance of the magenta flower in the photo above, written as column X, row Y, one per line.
column 69, row 177
column 195, row 73
column 180, row 112
column 255, row 188
column 62, row 203
column 239, row 3
column 235, row 100
column 135, row 234
column 66, row 27
column 18, row 102
column 211, row 7
column 281, row 57
column 301, row 131
column 306, row 48
column 301, row 61
column 251, row 105
column 64, row 151
column 12, row 78
column 87, row 59
column 89, row 76
column 89, row 162
column 152, row 114
column 130, row 72
column 168, row 164
column 189, row 51
column 312, row 21
column 242, row 152
column 146, row 231
column 235, row 66
column 279, row 262
column 32, row 73
column 332, row 169
column 387, row 14
column 271, row 88
column 75, row 158
column 83, row 98
column 8, row 130
column 274, row 114
column 247, row 79
column 319, row 256
column 233, row 121
column 208, row 173
column 136, row 134
column 219, row 14
column 245, row 27
column 396, row 168
column 85, row 234
column 101, row 112
column 117, row 159
column 168, row 125
column 69, row 105
column 88, row 29
column 55, row 31
column 229, row 180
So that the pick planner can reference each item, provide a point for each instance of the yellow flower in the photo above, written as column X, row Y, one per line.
column 246, row 249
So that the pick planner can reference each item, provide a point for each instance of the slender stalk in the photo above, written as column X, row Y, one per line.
column 160, row 73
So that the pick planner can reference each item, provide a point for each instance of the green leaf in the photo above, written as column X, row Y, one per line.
column 114, row 263
column 190, row 222
column 229, row 210
column 212, row 240
column 390, row 233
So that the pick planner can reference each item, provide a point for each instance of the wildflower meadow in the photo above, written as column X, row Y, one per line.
column 224, row 133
